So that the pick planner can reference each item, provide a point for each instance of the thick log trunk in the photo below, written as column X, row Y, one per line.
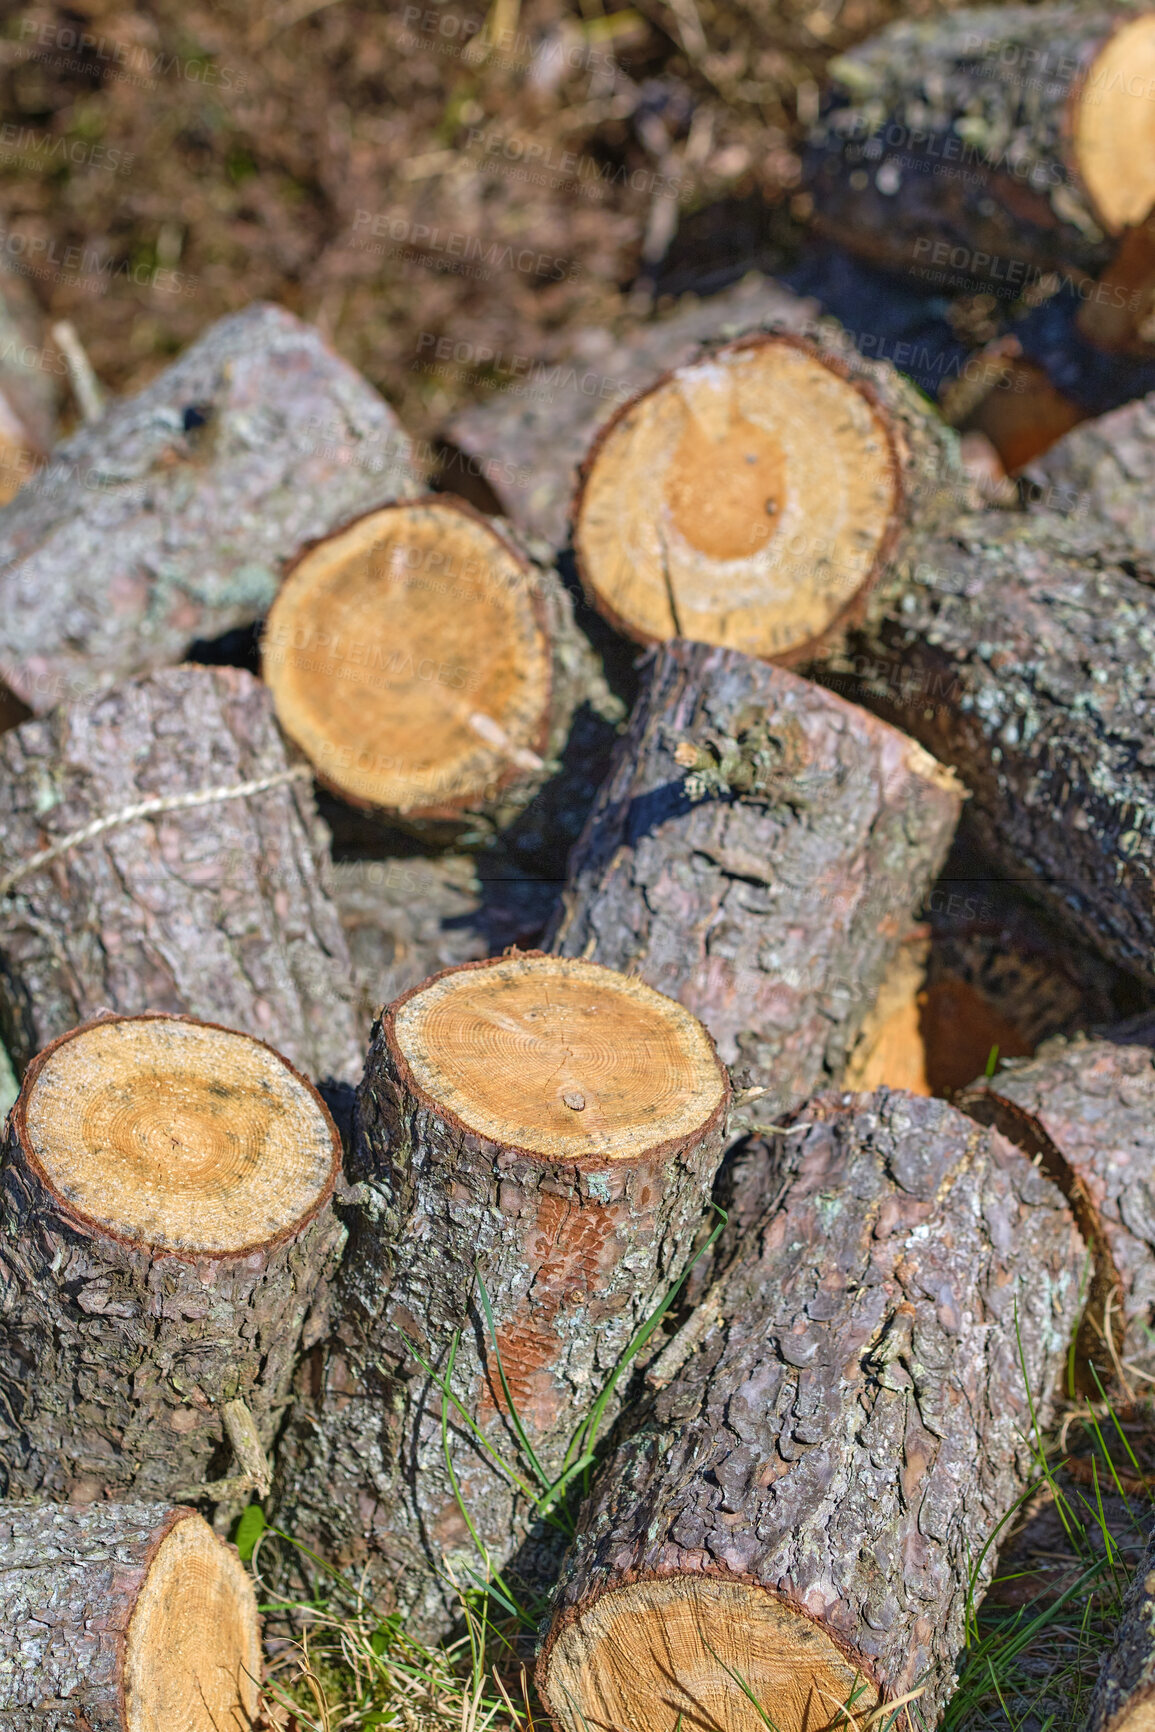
column 805, row 1506
column 170, row 519
column 219, row 911
column 123, row 1618
column 756, row 497
column 1124, row 1697
column 165, row 1255
column 1027, row 666
column 533, row 435
column 1103, row 475
column 986, row 148
column 1087, row 1112
column 756, row 853
column 427, row 666
column 536, row 1136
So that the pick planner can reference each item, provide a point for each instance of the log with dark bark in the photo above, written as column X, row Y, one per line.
column 1026, row 663
column 804, row 1507
column 1102, row 476
column 170, row 519
column 219, row 910
column 427, row 666
column 532, row 436
column 1086, row 1110
column 756, row 496
column 537, row 1140
column 165, row 1254
column 756, row 853
column 1124, row 1695
column 123, row 1618
column 986, row 148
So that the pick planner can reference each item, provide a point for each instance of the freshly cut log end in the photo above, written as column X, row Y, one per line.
column 538, row 1138
column 558, row 1058
column 800, row 1511
column 192, row 1652
column 748, row 500
column 683, row 1642
column 178, row 1135
column 123, row 1618
column 409, row 658
column 1114, row 128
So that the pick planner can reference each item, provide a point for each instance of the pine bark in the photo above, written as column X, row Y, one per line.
column 756, row 853
column 171, row 518
column 1101, row 475
column 1087, row 1110
column 1024, row 661
column 573, row 1257
column 855, row 1423
column 220, row 911
column 945, row 148
column 532, row 437
column 70, row 1579
column 116, row 1358
column 1124, row 1696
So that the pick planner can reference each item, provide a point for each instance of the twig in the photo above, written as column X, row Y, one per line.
column 86, row 387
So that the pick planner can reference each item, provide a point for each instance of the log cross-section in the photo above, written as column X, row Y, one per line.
column 537, row 1136
column 165, row 1247
column 801, row 1515
column 126, row 1617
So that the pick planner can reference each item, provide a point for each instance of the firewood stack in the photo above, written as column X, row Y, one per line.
column 273, row 1230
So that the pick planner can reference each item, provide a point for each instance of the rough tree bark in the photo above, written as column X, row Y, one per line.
column 1087, row 1110
column 1025, row 662
column 756, row 853
column 809, row 1496
column 123, row 1618
column 533, row 436
column 1105, row 473
column 1124, row 1696
column 220, row 911
column 167, row 1242
column 989, row 147
column 169, row 520
column 541, row 1128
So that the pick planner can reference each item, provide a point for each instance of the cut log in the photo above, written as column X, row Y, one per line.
column 166, row 1247
column 219, row 910
column 1104, row 474
column 801, row 1513
column 890, row 1050
column 532, row 436
column 986, row 148
column 126, row 1617
column 756, row 853
column 1086, row 1111
column 1124, row 1696
column 754, row 497
column 170, row 519
column 1027, row 666
column 425, row 666
column 542, row 1130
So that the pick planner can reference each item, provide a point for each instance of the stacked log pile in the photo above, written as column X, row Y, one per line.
column 417, row 1345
